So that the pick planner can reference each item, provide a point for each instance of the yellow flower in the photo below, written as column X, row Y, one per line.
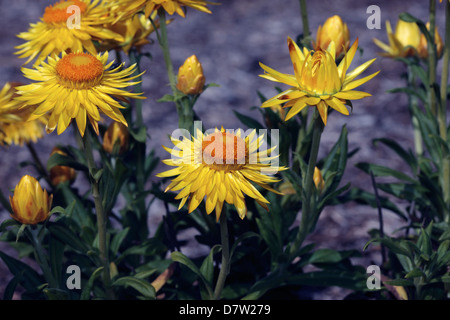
column 318, row 179
column 14, row 127
column 52, row 35
column 334, row 29
column 126, row 8
column 134, row 31
column 191, row 79
column 403, row 43
column 116, row 132
column 60, row 174
column 77, row 86
column 220, row 167
column 318, row 81
column 30, row 204
column 423, row 45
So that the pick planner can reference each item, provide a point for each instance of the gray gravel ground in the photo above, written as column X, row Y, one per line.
column 229, row 44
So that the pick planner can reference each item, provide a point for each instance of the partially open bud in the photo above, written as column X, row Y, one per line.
column 191, row 79
column 30, row 204
column 116, row 132
column 423, row 45
column 60, row 174
column 408, row 34
column 334, row 29
column 318, row 179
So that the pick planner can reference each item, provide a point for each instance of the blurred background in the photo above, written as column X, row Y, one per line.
column 230, row 43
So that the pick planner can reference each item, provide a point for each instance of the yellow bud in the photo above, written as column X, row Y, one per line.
column 191, row 79
column 423, row 45
column 116, row 132
column 318, row 179
column 334, row 29
column 408, row 34
column 30, row 204
column 60, row 174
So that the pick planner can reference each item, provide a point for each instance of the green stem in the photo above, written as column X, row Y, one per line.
column 305, row 23
column 101, row 216
column 413, row 102
column 140, row 157
column 442, row 114
column 41, row 258
column 39, row 166
column 225, row 267
column 432, row 58
column 307, row 218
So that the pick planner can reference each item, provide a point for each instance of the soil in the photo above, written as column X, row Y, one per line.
column 230, row 43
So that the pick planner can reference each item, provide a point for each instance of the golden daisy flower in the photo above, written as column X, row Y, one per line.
column 220, row 167
column 134, row 31
column 190, row 78
column 30, row 204
column 403, row 43
column 126, row 8
column 52, row 35
column 318, row 81
column 77, row 86
column 14, row 127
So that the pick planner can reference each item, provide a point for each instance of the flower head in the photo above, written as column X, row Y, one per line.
column 14, row 127
column 77, row 86
column 220, row 167
column 134, row 31
column 318, row 179
column 60, row 174
column 191, row 79
column 126, row 8
column 318, row 81
column 116, row 133
column 403, row 43
column 30, row 204
column 52, row 35
column 334, row 29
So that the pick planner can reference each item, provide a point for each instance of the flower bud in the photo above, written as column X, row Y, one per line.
column 408, row 34
column 334, row 29
column 116, row 132
column 60, row 174
column 318, row 180
column 30, row 204
column 423, row 45
column 190, row 76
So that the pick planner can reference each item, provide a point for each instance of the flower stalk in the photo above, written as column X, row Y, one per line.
column 442, row 113
column 308, row 183
column 225, row 267
column 100, row 213
column 432, row 58
column 305, row 23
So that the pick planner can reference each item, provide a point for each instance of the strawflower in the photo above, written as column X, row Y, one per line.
column 30, row 203
column 77, row 86
column 403, row 43
column 51, row 35
column 14, row 127
column 220, row 167
column 318, row 81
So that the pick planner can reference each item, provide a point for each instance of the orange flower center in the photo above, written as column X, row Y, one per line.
column 224, row 150
column 58, row 12
column 76, row 68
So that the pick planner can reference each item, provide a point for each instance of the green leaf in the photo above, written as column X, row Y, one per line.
column 142, row 286
column 117, row 240
column 414, row 274
column 140, row 135
column 325, row 256
column 248, row 121
column 400, row 282
column 68, row 237
column 57, row 159
column 394, row 245
column 85, row 294
column 167, row 98
column 207, row 268
column 181, row 258
column 407, row 156
column 382, row 171
column 56, row 294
